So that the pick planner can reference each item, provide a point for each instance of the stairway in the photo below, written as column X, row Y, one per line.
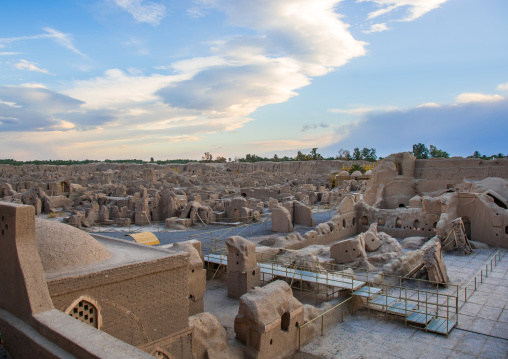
column 459, row 236
column 379, row 300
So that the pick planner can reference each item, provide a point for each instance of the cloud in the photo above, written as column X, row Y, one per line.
column 33, row 85
column 428, row 104
column 454, row 127
column 309, row 126
column 34, row 109
column 30, row 66
column 377, row 28
column 9, row 53
column 236, row 90
column 143, row 11
column 279, row 47
column 503, row 87
column 414, row 8
column 62, row 39
column 307, row 31
column 478, row 97
column 360, row 111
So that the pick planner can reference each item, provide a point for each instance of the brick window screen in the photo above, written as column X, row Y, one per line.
column 86, row 312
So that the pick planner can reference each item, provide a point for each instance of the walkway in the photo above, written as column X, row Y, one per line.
column 276, row 270
column 482, row 331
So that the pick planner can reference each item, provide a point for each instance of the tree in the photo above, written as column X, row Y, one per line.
column 420, row 151
column 275, row 158
column 477, row 154
column 437, row 153
column 301, row 157
column 314, row 155
column 344, row 155
column 220, row 159
column 207, row 157
column 152, row 160
column 356, row 167
column 357, row 155
column 369, row 154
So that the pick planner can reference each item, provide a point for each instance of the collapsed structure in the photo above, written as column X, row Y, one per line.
column 399, row 219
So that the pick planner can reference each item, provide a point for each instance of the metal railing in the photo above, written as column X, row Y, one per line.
column 321, row 316
column 433, row 303
column 481, row 274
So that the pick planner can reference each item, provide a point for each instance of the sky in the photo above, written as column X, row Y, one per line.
column 170, row 79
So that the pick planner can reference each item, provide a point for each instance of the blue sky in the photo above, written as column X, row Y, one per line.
column 172, row 79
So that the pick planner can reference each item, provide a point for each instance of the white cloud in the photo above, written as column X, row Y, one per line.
column 360, row 111
column 428, row 104
column 503, row 87
column 9, row 53
column 116, row 89
column 30, row 66
column 377, row 28
column 143, row 11
column 308, row 31
column 10, row 104
column 415, row 8
column 33, row 85
column 63, row 39
column 288, row 42
column 478, row 97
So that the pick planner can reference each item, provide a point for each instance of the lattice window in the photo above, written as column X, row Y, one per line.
column 86, row 312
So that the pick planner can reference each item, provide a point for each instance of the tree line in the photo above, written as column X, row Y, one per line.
column 420, row 151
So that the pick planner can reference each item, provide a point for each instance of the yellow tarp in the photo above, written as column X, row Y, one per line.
column 147, row 238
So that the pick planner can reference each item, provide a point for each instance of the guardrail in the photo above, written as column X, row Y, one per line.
column 482, row 273
column 341, row 304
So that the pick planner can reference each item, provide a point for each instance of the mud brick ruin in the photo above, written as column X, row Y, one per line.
column 68, row 290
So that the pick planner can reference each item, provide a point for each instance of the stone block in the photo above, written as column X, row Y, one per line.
column 346, row 251
column 240, row 283
column 281, row 220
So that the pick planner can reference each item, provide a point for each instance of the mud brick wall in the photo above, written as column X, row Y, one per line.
column 139, row 303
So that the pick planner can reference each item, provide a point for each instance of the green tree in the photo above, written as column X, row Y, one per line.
column 477, row 154
column 437, row 153
column 301, row 157
column 275, row 158
column 357, row 155
column 356, row 167
column 220, row 159
column 420, row 151
column 369, row 154
column 152, row 160
column 314, row 155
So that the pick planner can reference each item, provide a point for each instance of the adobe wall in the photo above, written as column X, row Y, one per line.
column 488, row 222
column 399, row 223
column 140, row 303
column 440, row 173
